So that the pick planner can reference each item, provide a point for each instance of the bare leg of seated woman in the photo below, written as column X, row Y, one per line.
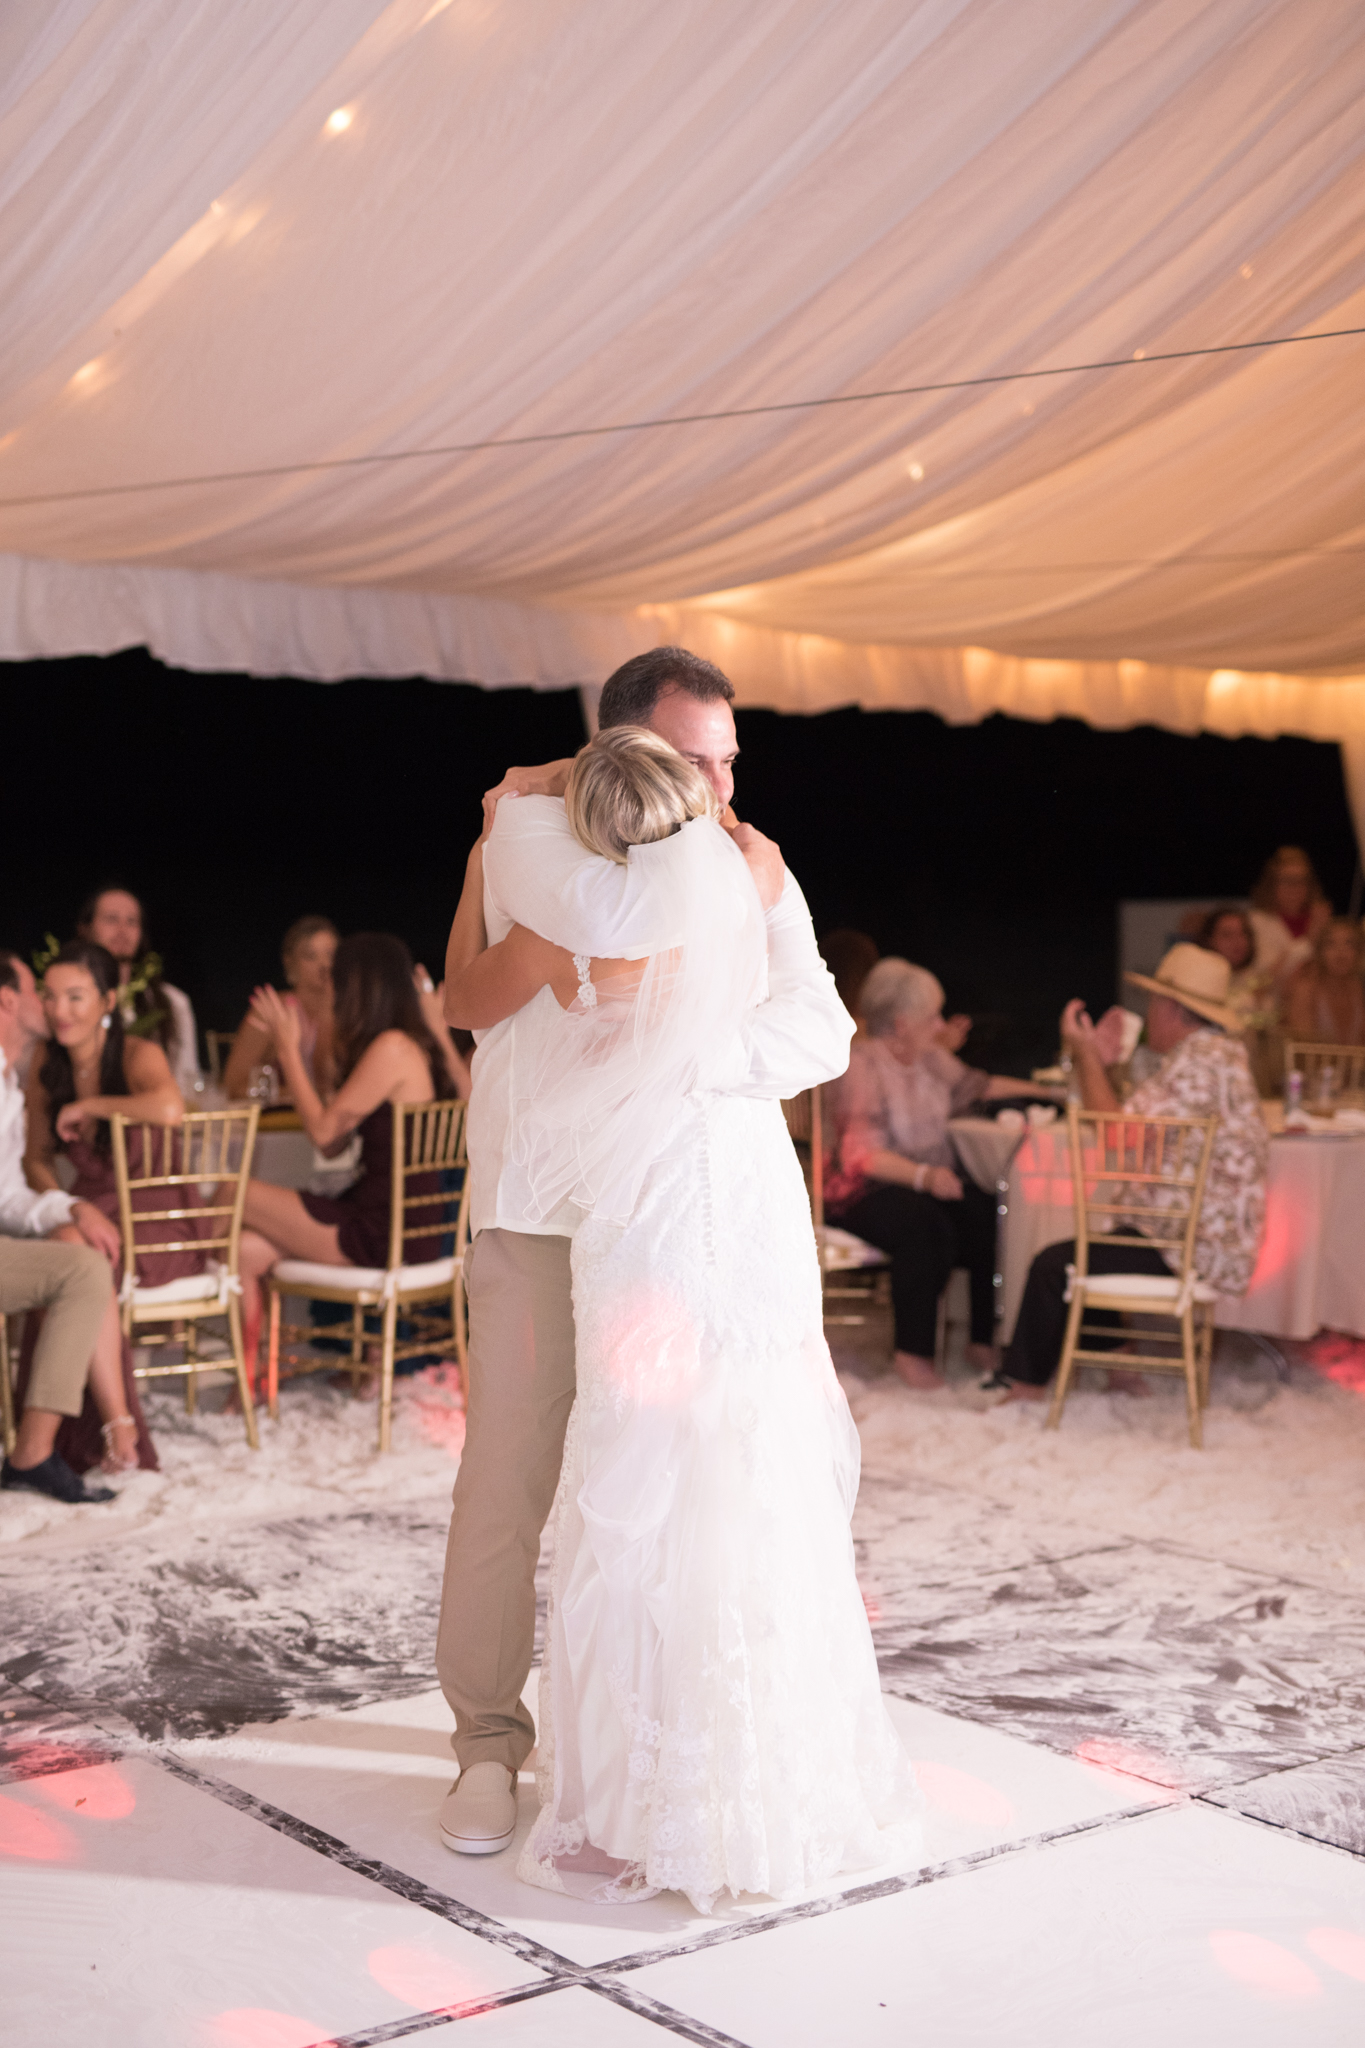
column 277, row 1226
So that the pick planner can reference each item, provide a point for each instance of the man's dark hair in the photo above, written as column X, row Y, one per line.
column 629, row 696
column 9, row 969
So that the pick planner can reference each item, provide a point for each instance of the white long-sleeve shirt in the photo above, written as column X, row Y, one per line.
column 538, row 875
column 23, row 1213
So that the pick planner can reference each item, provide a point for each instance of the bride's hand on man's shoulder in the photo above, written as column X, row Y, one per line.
column 766, row 864
column 550, row 779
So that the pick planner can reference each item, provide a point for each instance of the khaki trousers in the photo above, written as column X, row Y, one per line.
column 73, row 1283
column 521, row 1388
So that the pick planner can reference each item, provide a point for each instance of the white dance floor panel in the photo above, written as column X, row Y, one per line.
column 284, row 1887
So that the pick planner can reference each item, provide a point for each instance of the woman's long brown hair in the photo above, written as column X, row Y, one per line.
column 56, row 1075
column 372, row 978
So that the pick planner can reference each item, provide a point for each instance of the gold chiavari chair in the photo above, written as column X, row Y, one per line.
column 219, row 1045
column 6, row 1388
column 1139, row 1180
column 194, row 1175
column 428, row 1144
column 1341, row 1066
column 850, row 1270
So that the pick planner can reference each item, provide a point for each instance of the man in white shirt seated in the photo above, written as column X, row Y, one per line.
column 55, row 1255
column 521, row 1348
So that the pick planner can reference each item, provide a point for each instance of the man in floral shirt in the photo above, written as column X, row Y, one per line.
column 1204, row 1073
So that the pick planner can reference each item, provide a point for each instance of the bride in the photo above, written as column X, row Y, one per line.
column 711, row 1718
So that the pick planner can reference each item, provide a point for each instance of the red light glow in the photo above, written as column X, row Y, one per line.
column 1151, row 1775
column 1263, row 1965
column 34, row 1836
column 1340, row 1948
column 256, row 2026
column 99, row 1793
column 962, row 1796
column 420, row 1977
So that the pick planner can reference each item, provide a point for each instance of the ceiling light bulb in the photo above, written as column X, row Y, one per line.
column 915, row 470
column 340, row 121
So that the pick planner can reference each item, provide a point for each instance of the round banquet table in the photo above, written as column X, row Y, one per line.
column 1310, row 1274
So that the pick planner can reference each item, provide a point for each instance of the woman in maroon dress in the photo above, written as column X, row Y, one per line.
column 90, row 1071
column 391, row 1048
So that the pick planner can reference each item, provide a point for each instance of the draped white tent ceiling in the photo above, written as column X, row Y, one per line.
column 257, row 261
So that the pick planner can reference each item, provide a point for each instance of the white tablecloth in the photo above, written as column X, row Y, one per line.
column 284, row 1157
column 288, row 1159
column 1311, row 1271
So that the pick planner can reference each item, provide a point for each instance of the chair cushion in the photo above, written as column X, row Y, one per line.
column 194, row 1287
column 843, row 1250
column 1155, row 1287
column 306, row 1273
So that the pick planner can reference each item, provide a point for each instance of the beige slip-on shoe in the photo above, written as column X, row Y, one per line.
column 479, row 1813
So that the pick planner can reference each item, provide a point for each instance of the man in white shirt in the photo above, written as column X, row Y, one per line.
column 70, row 1279
column 521, row 1351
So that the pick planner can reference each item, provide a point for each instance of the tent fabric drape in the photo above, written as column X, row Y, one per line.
column 239, row 246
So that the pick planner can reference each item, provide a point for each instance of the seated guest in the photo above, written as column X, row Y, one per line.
column 1203, row 1072
column 1325, row 1002
column 1251, row 990
column 151, row 1007
column 90, row 1072
column 386, row 1054
column 307, row 951
column 1288, row 910
column 890, row 1177
column 850, row 957
column 55, row 1254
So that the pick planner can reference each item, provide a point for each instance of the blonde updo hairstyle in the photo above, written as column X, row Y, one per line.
column 628, row 787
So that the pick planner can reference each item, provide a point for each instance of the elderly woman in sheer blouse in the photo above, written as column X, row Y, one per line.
column 892, row 1178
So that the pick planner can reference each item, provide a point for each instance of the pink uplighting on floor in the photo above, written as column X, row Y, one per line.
column 99, row 1793
column 1339, row 1358
column 420, row 1977
column 1339, row 1948
column 1153, row 1775
column 436, row 1403
column 256, row 2026
column 33, row 1835
column 1263, row 1965
column 963, row 1797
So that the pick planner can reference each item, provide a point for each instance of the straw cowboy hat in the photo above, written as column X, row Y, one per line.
column 1196, row 978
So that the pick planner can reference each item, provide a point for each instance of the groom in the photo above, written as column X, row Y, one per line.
column 521, row 1334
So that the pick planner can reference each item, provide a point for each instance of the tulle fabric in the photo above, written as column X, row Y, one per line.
column 711, row 1719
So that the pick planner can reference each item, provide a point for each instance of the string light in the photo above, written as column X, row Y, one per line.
column 340, row 121
column 322, row 464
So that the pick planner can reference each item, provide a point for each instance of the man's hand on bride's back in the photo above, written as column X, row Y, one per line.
column 766, row 864
column 551, row 779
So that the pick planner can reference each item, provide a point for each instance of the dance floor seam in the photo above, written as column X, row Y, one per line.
column 561, row 1972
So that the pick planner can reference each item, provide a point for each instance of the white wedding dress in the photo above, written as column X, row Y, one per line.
column 711, row 1717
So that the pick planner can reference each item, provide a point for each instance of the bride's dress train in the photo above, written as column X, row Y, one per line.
column 711, row 1718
